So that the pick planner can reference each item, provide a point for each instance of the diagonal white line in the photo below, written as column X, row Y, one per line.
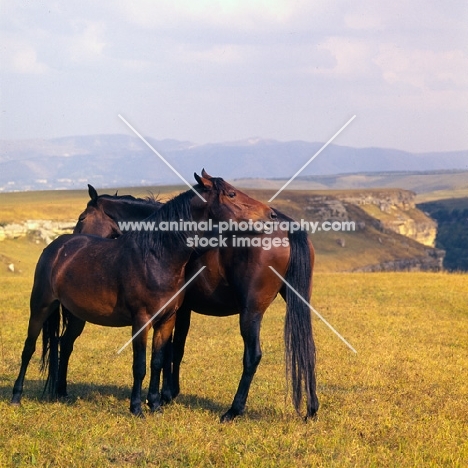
column 312, row 158
column 313, row 310
column 160, row 157
column 161, row 309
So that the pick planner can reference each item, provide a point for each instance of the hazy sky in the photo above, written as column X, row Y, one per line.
column 210, row 71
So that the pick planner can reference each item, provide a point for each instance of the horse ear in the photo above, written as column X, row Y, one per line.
column 205, row 174
column 92, row 192
column 116, row 192
column 205, row 183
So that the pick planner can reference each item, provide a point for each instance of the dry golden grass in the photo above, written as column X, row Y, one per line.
column 20, row 206
column 460, row 192
column 401, row 401
column 62, row 204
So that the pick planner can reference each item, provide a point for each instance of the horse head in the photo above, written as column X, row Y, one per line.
column 225, row 202
column 94, row 219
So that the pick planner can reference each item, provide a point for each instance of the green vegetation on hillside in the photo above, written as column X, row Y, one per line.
column 452, row 232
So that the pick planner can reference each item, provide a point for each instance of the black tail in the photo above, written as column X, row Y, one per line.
column 51, row 334
column 298, row 337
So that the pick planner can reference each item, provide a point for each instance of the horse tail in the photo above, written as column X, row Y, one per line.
column 298, row 337
column 51, row 334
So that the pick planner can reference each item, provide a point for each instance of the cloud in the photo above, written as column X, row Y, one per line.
column 217, row 54
column 19, row 56
column 244, row 14
column 424, row 69
column 88, row 43
column 363, row 21
column 242, row 67
column 352, row 57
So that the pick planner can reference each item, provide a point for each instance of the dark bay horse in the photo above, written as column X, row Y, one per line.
column 127, row 281
column 236, row 281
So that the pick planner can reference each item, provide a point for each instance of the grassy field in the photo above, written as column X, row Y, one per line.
column 401, row 401
column 432, row 185
column 60, row 204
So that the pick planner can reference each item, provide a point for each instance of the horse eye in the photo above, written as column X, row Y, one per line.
column 231, row 194
column 82, row 218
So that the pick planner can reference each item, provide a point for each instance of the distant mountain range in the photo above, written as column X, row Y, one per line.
column 124, row 160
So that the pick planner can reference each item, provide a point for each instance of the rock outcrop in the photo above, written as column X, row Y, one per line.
column 41, row 229
column 388, row 216
column 396, row 210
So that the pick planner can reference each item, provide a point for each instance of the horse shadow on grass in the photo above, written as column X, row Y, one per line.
column 99, row 394
column 196, row 402
column 34, row 391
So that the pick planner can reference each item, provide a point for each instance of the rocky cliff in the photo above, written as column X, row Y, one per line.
column 390, row 232
column 395, row 209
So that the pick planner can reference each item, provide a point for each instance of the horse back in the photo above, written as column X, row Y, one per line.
column 89, row 276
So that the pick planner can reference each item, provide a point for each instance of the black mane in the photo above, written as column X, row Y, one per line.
column 149, row 200
column 156, row 241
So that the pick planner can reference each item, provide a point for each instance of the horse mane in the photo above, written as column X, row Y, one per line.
column 152, row 241
column 176, row 209
column 149, row 200
column 218, row 183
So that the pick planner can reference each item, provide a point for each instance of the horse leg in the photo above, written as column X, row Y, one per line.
column 73, row 329
column 139, row 366
column 250, row 330
column 182, row 325
column 166, row 390
column 36, row 320
column 159, row 360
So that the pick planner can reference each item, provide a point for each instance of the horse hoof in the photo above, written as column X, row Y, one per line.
column 155, row 405
column 138, row 414
column 312, row 412
column 311, row 417
column 166, row 398
column 156, row 410
column 15, row 399
column 229, row 416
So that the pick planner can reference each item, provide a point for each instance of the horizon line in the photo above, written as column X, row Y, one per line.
column 257, row 139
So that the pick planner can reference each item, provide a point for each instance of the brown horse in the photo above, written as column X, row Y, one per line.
column 237, row 280
column 130, row 281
